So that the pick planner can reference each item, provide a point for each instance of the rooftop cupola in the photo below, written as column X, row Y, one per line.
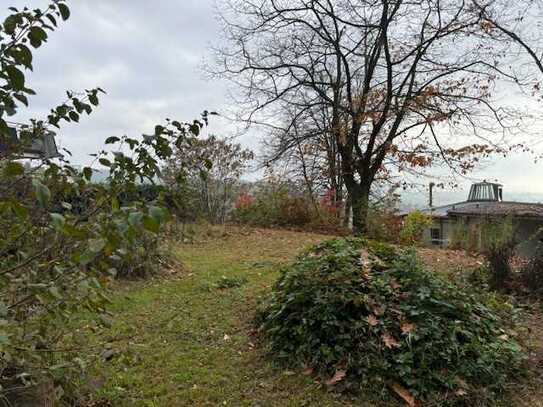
column 486, row 191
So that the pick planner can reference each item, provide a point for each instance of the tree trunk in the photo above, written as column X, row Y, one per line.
column 359, row 195
column 347, row 212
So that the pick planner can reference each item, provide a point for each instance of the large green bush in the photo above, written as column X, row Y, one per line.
column 369, row 318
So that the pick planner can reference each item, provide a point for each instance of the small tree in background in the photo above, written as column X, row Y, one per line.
column 414, row 226
column 210, row 170
column 498, row 243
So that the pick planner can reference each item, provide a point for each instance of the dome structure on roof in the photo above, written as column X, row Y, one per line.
column 485, row 192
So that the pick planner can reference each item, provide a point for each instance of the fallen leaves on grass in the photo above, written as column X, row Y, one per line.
column 308, row 371
column 372, row 320
column 407, row 328
column 389, row 341
column 404, row 394
column 336, row 378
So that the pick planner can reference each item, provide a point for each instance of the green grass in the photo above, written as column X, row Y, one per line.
column 187, row 342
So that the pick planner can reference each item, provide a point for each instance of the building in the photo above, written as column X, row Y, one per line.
column 485, row 205
column 20, row 142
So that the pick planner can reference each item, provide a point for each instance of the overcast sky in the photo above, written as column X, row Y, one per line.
column 147, row 56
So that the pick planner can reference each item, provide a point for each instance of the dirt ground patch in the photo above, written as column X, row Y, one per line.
column 447, row 261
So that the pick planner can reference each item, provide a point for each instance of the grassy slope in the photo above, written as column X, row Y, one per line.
column 183, row 341
column 188, row 343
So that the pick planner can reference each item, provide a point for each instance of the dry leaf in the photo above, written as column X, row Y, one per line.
column 338, row 376
column 365, row 259
column 407, row 328
column 404, row 394
column 390, row 342
column 308, row 371
column 460, row 392
column 372, row 320
column 394, row 284
column 379, row 310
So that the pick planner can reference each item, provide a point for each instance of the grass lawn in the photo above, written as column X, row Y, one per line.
column 183, row 341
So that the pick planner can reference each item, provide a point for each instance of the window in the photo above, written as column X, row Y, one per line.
column 435, row 235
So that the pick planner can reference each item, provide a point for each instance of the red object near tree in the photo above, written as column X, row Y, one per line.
column 329, row 203
column 244, row 201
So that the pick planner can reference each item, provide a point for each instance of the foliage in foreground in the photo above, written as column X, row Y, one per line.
column 354, row 311
column 62, row 237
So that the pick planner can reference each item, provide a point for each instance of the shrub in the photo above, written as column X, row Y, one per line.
column 497, row 242
column 276, row 203
column 413, row 228
column 63, row 237
column 531, row 274
column 368, row 317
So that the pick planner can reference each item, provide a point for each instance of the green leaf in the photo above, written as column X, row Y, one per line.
column 112, row 140
column 105, row 162
column 194, row 129
column 16, row 77
column 97, row 245
column 159, row 130
column 87, row 257
column 10, row 24
column 21, row 55
column 13, row 169
column 20, row 211
column 43, row 194
column 135, row 218
column 52, row 19
column 64, row 11
column 37, row 36
column 151, row 224
column 115, row 204
column 21, row 98
column 94, row 99
column 58, row 221
column 87, row 173
column 160, row 215
column 74, row 116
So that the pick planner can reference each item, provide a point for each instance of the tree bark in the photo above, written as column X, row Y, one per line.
column 359, row 196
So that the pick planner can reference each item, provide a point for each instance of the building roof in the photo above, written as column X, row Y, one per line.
column 496, row 208
column 485, row 199
column 438, row 211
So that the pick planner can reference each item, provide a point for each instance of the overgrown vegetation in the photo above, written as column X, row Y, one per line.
column 206, row 176
column 413, row 227
column 276, row 203
column 531, row 274
column 62, row 237
column 362, row 317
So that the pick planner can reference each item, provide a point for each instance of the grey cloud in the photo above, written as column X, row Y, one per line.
column 146, row 55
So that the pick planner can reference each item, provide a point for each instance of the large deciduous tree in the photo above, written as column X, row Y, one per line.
column 397, row 79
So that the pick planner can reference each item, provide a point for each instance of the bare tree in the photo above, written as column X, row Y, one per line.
column 309, row 150
column 392, row 75
column 211, row 168
column 520, row 24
